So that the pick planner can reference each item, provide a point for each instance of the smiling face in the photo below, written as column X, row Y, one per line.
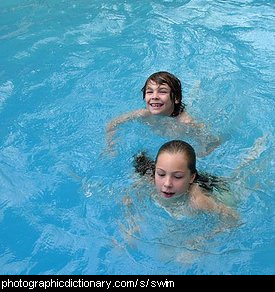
column 158, row 99
column 172, row 175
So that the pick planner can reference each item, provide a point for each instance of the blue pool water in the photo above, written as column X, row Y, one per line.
column 67, row 68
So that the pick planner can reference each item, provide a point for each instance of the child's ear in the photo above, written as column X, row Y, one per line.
column 177, row 101
column 193, row 176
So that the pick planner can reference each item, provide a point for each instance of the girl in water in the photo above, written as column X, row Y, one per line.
column 176, row 178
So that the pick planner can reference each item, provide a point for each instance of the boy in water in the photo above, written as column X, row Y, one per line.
column 162, row 93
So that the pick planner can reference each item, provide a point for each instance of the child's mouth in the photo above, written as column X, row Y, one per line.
column 168, row 194
column 156, row 105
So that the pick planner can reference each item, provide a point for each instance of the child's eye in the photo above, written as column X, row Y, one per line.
column 160, row 174
column 178, row 177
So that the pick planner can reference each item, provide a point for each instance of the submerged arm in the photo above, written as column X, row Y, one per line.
column 111, row 127
column 224, row 210
column 209, row 141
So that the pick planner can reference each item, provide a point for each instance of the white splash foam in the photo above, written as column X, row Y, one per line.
column 6, row 90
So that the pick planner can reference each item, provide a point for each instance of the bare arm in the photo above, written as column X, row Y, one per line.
column 200, row 200
column 126, row 117
column 230, row 219
column 111, row 127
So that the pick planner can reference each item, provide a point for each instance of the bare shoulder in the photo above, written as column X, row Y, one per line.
column 200, row 199
column 184, row 117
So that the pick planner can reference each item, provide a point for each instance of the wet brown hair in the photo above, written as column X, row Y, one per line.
column 179, row 146
column 174, row 83
column 144, row 165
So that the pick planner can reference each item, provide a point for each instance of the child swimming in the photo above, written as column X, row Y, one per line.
column 176, row 178
column 162, row 93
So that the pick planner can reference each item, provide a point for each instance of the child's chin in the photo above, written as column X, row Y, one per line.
column 154, row 112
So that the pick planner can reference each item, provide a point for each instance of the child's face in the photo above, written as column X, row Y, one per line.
column 172, row 175
column 158, row 99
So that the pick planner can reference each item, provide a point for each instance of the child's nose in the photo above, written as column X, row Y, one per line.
column 155, row 94
column 168, row 182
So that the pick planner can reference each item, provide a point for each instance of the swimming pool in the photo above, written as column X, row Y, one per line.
column 67, row 68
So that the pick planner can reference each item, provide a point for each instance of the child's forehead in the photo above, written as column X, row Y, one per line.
column 167, row 155
column 152, row 83
column 172, row 160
